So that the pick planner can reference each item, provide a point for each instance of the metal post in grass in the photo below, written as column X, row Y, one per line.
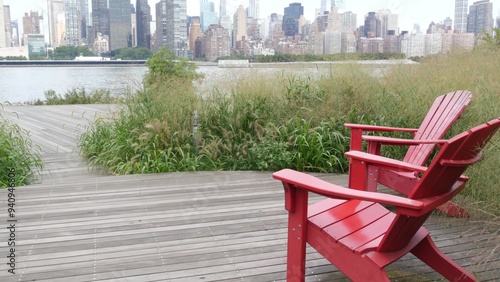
column 196, row 121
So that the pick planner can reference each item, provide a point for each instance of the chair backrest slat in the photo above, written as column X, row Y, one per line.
column 445, row 110
column 439, row 179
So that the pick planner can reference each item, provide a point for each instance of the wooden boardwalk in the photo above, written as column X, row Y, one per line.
column 203, row 226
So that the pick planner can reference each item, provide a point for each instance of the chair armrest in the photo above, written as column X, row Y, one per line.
column 358, row 129
column 383, row 161
column 321, row 187
column 391, row 163
column 378, row 128
column 400, row 141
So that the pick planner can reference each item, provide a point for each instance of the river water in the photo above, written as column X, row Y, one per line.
column 25, row 84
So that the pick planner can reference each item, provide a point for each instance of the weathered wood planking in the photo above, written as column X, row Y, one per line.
column 210, row 226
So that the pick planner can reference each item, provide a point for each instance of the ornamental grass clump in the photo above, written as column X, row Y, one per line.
column 77, row 96
column 17, row 153
column 151, row 131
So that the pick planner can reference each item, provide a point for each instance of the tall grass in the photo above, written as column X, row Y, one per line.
column 77, row 96
column 275, row 121
column 17, row 152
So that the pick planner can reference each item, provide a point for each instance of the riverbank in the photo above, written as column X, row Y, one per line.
column 113, row 63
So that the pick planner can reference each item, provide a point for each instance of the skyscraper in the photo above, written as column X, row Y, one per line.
column 222, row 8
column 31, row 23
column 480, row 18
column 194, row 33
column 254, row 9
column 461, row 16
column 84, row 8
column 143, row 14
column 72, row 9
column 56, row 9
column 240, row 24
column 171, row 26
column 3, row 26
column 100, row 17
column 14, row 26
column 207, row 14
column 119, row 24
column 291, row 18
column 373, row 25
column 388, row 21
column 323, row 7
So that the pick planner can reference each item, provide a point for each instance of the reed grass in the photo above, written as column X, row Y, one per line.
column 269, row 122
column 17, row 152
column 77, row 96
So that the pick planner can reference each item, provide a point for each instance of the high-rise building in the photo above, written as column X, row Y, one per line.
column 323, row 7
column 143, row 20
column 171, row 26
column 4, row 26
column 36, row 45
column 56, row 8
column 480, row 18
column 133, row 25
column 119, row 24
column 84, row 12
column 388, row 21
column 194, row 32
column 461, row 16
column 240, row 24
column 373, row 26
column 348, row 21
column 222, row 8
column 254, row 9
column 216, row 43
column 14, row 26
column 100, row 17
column 291, row 17
column 207, row 14
column 448, row 23
column 31, row 23
column 73, row 22
column 498, row 22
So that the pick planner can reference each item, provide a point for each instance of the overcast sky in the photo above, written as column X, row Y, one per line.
column 410, row 11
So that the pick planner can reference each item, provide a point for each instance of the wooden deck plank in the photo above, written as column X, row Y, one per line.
column 229, row 227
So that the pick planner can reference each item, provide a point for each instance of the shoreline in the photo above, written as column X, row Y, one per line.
column 141, row 63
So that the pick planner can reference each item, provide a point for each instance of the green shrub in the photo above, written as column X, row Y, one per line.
column 77, row 96
column 17, row 152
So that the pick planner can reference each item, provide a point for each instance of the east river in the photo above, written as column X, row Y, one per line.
column 25, row 84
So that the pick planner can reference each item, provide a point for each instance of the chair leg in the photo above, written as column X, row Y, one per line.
column 297, row 232
column 428, row 252
column 454, row 210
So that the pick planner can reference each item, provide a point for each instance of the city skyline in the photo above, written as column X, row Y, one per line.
column 410, row 12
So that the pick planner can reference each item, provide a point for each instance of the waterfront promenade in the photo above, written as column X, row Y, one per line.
column 78, row 225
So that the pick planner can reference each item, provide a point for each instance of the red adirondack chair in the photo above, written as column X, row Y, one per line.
column 445, row 110
column 358, row 235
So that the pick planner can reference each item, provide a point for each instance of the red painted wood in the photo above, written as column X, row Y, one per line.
column 367, row 233
column 297, row 230
column 445, row 110
column 337, row 213
column 358, row 235
column 355, row 222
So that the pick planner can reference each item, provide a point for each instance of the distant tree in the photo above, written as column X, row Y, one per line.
column 492, row 41
column 36, row 57
column 69, row 52
column 13, row 58
column 133, row 53
column 164, row 65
